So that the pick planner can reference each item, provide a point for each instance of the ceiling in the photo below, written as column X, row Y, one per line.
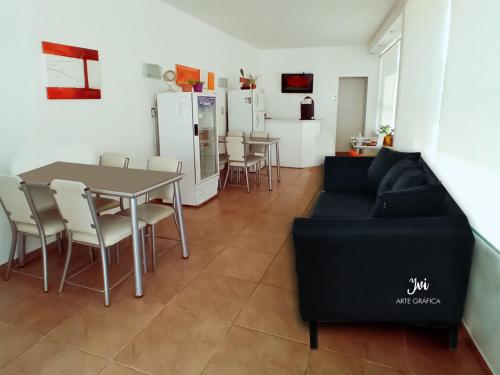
column 292, row 23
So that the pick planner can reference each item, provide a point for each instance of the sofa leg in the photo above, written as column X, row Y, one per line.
column 453, row 336
column 313, row 335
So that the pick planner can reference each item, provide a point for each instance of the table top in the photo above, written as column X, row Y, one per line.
column 255, row 140
column 121, row 182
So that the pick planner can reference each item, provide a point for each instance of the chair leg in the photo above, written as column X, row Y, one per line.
column 59, row 244
column 105, row 277
column 227, row 175
column 153, row 244
column 21, row 246
column 45, row 265
column 13, row 246
column 144, row 257
column 313, row 335
column 66, row 264
column 453, row 336
column 246, row 178
column 110, row 261
column 117, row 253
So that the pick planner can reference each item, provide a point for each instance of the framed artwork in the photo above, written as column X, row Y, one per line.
column 72, row 72
column 211, row 81
column 186, row 73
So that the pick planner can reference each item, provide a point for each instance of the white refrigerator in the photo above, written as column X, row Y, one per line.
column 187, row 131
column 246, row 110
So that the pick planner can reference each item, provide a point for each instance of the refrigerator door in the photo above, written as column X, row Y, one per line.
column 205, row 137
column 258, row 100
column 258, row 122
column 240, row 110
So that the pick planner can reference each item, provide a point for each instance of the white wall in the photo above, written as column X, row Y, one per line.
column 327, row 64
column 448, row 109
column 35, row 131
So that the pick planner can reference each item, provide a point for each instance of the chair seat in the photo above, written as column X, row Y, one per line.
column 251, row 161
column 150, row 213
column 104, row 204
column 51, row 221
column 114, row 228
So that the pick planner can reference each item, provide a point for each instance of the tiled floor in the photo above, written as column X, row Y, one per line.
column 231, row 308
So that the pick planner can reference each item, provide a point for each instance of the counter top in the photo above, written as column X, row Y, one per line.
column 291, row 120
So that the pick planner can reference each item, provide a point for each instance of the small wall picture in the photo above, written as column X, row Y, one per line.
column 72, row 72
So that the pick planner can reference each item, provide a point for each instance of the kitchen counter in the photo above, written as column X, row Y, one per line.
column 298, row 141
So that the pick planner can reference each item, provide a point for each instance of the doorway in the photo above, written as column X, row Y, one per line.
column 351, row 111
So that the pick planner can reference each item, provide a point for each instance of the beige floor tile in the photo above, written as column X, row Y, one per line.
column 288, row 247
column 379, row 343
column 215, row 296
column 14, row 341
column 118, row 369
column 328, row 363
column 201, row 254
column 175, row 343
column 274, row 310
column 50, row 358
column 282, row 273
column 272, row 223
column 257, row 240
column 243, row 264
column 105, row 330
column 247, row 352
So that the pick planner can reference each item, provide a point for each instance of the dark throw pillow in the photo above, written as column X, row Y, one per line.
column 425, row 200
column 384, row 161
column 411, row 178
column 395, row 172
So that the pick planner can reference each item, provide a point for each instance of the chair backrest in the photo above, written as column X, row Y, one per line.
column 259, row 149
column 71, row 198
column 235, row 133
column 235, row 148
column 14, row 200
column 113, row 159
column 164, row 164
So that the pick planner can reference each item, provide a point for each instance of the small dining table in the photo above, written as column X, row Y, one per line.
column 267, row 142
column 124, row 183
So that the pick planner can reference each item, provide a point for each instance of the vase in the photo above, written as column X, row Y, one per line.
column 388, row 139
column 186, row 88
column 198, row 87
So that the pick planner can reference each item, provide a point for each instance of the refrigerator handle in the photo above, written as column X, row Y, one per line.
column 195, row 130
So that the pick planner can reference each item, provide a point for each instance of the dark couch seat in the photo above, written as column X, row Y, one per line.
column 342, row 204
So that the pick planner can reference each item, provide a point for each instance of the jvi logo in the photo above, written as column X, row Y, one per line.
column 417, row 285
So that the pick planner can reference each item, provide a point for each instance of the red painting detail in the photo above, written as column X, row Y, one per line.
column 70, row 51
column 298, row 81
column 186, row 73
column 72, row 93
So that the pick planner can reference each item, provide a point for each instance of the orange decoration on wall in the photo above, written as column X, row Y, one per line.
column 186, row 73
column 211, row 81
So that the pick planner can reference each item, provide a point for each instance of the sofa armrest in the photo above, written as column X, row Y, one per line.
column 345, row 174
column 359, row 269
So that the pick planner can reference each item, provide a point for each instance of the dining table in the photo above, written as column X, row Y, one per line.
column 268, row 142
column 126, row 183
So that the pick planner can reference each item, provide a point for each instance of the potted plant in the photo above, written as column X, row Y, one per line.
column 186, row 87
column 388, row 131
column 248, row 82
column 197, row 85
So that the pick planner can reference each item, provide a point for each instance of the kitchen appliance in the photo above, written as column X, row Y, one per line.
column 246, row 110
column 187, row 131
column 307, row 108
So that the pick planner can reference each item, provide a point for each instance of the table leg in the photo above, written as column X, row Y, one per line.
column 278, row 161
column 269, row 167
column 136, row 247
column 180, row 219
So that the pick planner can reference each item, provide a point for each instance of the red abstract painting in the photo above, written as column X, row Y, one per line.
column 72, row 72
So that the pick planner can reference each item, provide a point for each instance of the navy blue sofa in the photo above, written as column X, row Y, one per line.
column 368, row 254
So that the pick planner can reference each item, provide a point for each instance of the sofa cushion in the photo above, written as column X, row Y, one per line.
column 425, row 200
column 343, row 205
column 384, row 161
column 395, row 172
column 413, row 177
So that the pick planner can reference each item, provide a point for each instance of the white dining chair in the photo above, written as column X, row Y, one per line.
column 235, row 133
column 84, row 226
column 239, row 159
column 259, row 150
column 110, row 159
column 26, row 220
column 152, row 213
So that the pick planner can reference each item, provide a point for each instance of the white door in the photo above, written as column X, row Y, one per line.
column 258, row 100
column 351, row 111
column 258, row 122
